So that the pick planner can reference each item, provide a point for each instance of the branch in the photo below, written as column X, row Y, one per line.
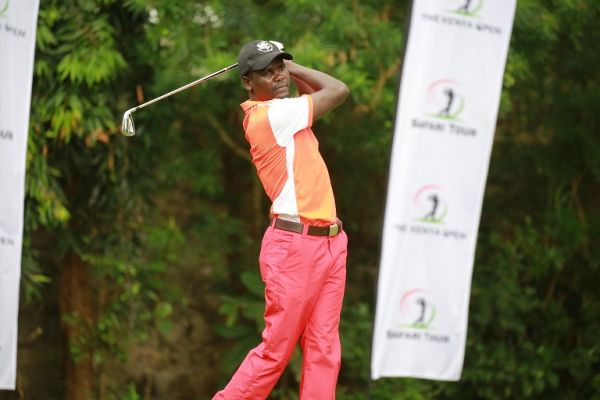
column 384, row 75
column 229, row 142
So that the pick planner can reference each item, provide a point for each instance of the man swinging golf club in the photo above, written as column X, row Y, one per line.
column 303, row 253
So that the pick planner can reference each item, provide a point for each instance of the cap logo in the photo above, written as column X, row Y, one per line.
column 264, row 47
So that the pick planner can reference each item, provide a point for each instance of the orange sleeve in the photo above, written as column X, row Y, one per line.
column 310, row 110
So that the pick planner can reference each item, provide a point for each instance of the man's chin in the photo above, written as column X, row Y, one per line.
column 281, row 93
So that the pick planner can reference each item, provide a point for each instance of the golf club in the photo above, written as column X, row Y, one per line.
column 128, row 127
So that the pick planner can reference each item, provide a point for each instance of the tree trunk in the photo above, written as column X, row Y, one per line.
column 77, row 321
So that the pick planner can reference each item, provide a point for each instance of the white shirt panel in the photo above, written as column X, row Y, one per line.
column 288, row 116
column 286, row 203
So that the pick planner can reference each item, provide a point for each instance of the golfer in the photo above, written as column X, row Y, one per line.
column 303, row 252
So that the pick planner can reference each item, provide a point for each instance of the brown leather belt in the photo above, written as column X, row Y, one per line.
column 312, row 230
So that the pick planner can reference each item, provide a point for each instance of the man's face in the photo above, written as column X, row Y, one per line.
column 273, row 82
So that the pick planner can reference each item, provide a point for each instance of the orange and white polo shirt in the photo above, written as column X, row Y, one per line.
column 286, row 155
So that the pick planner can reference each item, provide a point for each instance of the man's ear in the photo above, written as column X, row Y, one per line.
column 246, row 82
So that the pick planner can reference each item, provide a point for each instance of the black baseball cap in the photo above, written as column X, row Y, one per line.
column 258, row 54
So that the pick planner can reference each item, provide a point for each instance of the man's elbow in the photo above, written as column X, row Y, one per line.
column 343, row 91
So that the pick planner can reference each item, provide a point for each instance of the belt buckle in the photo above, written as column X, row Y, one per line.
column 334, row 230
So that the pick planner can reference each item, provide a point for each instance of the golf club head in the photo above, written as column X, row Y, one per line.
column 127, row 127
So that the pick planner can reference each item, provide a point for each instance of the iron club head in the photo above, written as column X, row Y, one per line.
column 128, row 127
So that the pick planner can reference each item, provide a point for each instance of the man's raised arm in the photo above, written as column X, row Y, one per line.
column 327, row 91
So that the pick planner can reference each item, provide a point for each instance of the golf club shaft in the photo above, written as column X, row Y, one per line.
column 189, row 85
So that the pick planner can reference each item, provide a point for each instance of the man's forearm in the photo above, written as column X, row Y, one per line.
column 316, row 80
column 303, row 87
column 328, row 92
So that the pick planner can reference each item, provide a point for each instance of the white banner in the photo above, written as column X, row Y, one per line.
column 447, row 109
column 18, row 20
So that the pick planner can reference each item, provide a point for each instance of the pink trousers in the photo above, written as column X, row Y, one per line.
column 305, row 278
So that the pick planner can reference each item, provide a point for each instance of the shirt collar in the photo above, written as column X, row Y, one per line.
column 248, row 104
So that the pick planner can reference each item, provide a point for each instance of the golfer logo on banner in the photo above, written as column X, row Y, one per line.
column 417, row 310
column 430, row 204
column 465, row 7
column 447, row 108
column 444, row 100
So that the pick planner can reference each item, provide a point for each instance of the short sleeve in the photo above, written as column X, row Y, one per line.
column 288, row 116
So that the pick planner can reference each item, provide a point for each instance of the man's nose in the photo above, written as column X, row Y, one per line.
column 279, row 75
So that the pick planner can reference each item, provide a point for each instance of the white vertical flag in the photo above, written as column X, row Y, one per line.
column 18, row 20
column 447, row 109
